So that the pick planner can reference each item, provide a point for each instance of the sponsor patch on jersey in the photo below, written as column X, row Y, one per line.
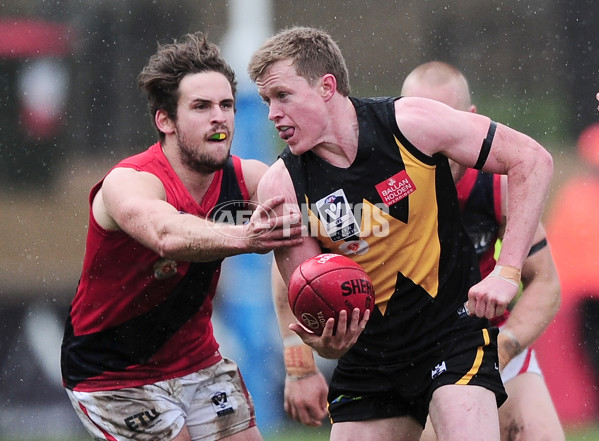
column 395, row 188
column 337, row 217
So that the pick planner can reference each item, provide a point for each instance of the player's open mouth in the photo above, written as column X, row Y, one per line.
column 286, row 132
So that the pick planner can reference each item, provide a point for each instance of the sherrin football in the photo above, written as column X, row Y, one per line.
column 326, row 284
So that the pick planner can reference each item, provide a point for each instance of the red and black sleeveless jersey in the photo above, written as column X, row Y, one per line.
column 395, row 211
column 479, row 194
column 136, row 317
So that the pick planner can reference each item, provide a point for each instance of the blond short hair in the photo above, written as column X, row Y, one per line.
column 313, row 52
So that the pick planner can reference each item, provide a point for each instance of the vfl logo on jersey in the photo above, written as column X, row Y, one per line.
column 165, row 268
column 337, row 216
column 438, row 370
column 221, row 405
column 395, row 188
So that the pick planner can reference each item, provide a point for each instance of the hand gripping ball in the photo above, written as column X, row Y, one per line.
column 326, row 284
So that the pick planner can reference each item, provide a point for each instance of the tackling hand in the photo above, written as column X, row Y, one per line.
column 268, row 230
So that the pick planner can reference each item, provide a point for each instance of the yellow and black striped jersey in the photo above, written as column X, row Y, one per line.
column 395, row 212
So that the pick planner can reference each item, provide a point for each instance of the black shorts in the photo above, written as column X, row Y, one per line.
column 359, row 393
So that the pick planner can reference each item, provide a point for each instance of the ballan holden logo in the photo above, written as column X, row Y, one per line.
column 337, row 217
column 239, row 213
column 395, row 188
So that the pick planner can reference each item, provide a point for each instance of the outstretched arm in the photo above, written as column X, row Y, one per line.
column 135, row 202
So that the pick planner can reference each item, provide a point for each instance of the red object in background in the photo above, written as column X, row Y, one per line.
column 588, row 144
column 22, row 38
column 42, row 80
column 572, row 235
column 567, row 372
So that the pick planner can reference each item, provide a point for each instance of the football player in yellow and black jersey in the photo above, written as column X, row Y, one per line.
column 483, row 204
column 373, row 179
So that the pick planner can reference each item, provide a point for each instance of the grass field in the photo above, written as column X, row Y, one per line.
column 297, row 433
column 588, row 434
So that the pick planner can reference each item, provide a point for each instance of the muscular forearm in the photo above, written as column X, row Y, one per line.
column 528, row 186
column 191, row 238
column 533, row 312
column 196, row 239
column 530, row 317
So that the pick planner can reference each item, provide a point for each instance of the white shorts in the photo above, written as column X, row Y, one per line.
column 213, row 403
column 525, row 361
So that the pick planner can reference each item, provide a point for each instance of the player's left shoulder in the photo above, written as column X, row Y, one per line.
column 419, row 107
column 427, row 124
column 276, row 178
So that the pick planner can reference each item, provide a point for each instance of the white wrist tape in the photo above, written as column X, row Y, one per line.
column 510, row 274
column 299, row 361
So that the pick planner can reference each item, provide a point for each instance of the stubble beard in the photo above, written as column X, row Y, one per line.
column 196, row 160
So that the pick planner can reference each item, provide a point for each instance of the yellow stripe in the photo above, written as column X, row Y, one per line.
column 415, row 247
column 477, row 361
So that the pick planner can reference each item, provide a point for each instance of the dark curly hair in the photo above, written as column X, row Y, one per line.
column 160, row 78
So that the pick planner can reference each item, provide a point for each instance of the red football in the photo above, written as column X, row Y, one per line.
column 326, row 284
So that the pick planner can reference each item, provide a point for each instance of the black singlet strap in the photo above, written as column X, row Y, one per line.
column 485, row 148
